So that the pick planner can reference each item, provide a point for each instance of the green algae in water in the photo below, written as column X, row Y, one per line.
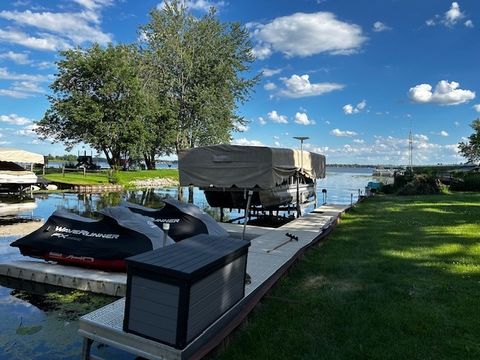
column 28, row 330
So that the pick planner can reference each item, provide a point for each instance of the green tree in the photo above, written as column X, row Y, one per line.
column 195, row 68
column 99, row 98
column 471, row 149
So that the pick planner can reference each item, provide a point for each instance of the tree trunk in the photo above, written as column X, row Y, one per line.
column 149, row 161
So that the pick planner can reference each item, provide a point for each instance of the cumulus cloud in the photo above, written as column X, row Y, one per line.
column 14, row 94
column 302, row 119
column 19, row 58
column 359, row 141
column 241, row 127
column 453, row 15
column 379, row 26
column 262, row 121
column 57, row 30
column 28, row 130
column 245, row 141
column 441, row 133
column 303, row 34
column 277, row 118
column 343, row 133
column 44, row 43
column 349, row 109
column 27, row 87
column 14, row 119
column 450, row 18
column 269, row 86
column 6, row 75
column 300, row 86
column 477, row 107
column 271, row 72
column 445, row 93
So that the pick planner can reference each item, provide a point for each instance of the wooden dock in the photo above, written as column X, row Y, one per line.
column 269, row 257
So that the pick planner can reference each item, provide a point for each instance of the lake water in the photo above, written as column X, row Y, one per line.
column 41, row 323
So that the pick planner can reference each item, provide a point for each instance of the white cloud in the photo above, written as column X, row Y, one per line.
column 14, row 94
column 477, row 107
column 14, row 119
column 445, row 93
column 453, row 15
column 241, row 127
column 379, row 26
column 456, row 123
column 302, row 119
column 28, row 130
column 341, row 133
column 420, row 137
column 359, row 141
column 269, row 86
column 262, row 121
column 277, row 118
column 302, row 34
column 6, row 75
column 271, row 72
column 450, row 18
column 276, row 143
column 19, row 58
column 349, row 109
column 245, row 141
column 46, row 42
column 94, row 4
column 28, row 87
column 300, row 86
column 78, row 27
column 442, row 133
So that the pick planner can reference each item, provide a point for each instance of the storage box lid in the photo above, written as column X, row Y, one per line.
column 191, row 258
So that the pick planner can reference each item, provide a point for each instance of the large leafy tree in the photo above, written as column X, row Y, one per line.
column 99, row 98
column 195, row 68
column 471, row 148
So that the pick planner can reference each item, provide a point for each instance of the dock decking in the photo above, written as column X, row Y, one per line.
column 269, row 257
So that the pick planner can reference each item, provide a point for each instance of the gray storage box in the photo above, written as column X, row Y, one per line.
column 176, row 292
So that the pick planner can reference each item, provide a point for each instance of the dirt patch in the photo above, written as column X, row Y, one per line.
column 322, row 282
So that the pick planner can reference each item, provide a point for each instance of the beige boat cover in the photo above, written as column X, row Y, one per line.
column 20, row 156
column 245, row 166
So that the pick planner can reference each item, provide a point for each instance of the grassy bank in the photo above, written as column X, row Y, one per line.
column 121, row 177
column 398, row 279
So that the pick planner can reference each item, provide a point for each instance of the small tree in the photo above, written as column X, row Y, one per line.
column 471, row 149
column 99, row 99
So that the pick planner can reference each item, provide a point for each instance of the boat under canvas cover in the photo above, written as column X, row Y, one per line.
column 225, row 172
column 185, row 220
column 246, row 167
column 104, row 244
column 20, row 156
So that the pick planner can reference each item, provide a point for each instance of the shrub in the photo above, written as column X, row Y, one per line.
column 421, row 184
column 466, row 182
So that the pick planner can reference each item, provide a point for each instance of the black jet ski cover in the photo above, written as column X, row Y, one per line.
column 186, row 220
column 119, row 234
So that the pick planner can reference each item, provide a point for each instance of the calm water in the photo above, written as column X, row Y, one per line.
column 37, row 323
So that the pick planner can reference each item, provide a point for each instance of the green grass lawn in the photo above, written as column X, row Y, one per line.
column 398, row 279
column 123, row 177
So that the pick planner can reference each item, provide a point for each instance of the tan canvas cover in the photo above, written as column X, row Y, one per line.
column 20, row 156
column 245, row 166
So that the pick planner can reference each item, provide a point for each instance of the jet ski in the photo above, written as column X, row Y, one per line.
column 185, row 220
column 70, row 239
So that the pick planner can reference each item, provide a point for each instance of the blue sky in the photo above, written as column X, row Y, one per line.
column 354, row 76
